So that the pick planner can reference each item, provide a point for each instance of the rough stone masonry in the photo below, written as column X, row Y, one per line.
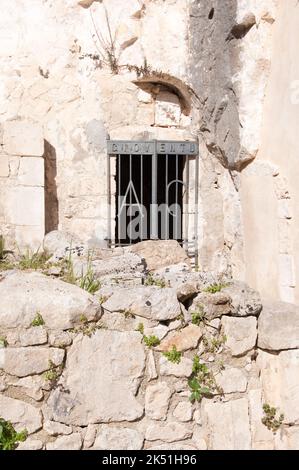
column 117, row 369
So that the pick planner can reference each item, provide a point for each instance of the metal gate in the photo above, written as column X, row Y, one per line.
column 150, row 192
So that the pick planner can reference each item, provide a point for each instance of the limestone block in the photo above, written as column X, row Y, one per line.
column 23, row 138
column 33, row 336
column 241, row 334
column 90, row 435
column 227, row 424
column 72, row 442
column 31, row 360
column 244, row 300
column 25, row 206
column 287, row 272
column 4, row 166
column 169, row 432
column 214, row 305
column 168, row 109
column 183, row 369
column 183, row 340
column 176, row 446
column 232, row 380
column 148, row 302
column 157, row 400
column 278, row 326
column 31, row 171
column 160, row 253
column 55, row 429
column 22, row 415
column 151, row 367
column 112, row 438
column 280, row 382
column 100, row 380
column 60, row 304
column 32, row 386
column 183, row 411
column 262, row 437
column 288, row 439
column 30, row 444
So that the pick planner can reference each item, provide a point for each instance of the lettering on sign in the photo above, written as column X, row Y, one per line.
column 122, row 147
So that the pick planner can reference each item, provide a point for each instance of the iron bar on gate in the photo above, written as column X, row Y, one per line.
column 155, row 149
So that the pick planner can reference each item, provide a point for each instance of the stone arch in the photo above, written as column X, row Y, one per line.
column 171, row 84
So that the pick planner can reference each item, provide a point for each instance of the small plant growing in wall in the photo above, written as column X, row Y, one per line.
column 33, row 260
column 3, row 342
column 214, row 288
column 52, row 375
column 38, row 320
column 202, row 382
column 151, row 341
column 9, row 437
column 198, row 316
column 155, row 281
column 272, row 419
column 173, row 355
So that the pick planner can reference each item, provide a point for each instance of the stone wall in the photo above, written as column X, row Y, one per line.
column 82, row 371
column 57, row 72
column 269, row 185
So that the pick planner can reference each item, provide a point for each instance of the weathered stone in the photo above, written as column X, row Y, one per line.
column 55, row 429
column 90, row 435
column 30, row 444
column 212, row 305
column 278, row 326
column 112, row 438
column 31, row 171
column 32, row 386
column 169, row 432
column 262, row 437
column 199, row 438
column 101, row 376
column 60, row 339
column 183, row 340
column 127, row 263
column 60, row 304
column 187, row 290
column 183, row 369
column 63, row 245
column 177, row 446
column 4, row 166
column 31, row 360
column 183, row 411
column 151, row 367
column 232, row 380
column 244, row 300
column 227, row 424
column 33, row 336
column 22, row 415
column 241, row 334
column 72, row 442
column 160, row 253
column 23, row 138
column 149, row 302
column 157, row 400
column 288, row 439
column 280, row 382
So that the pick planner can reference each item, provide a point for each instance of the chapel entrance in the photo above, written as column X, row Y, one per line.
column 152, row 185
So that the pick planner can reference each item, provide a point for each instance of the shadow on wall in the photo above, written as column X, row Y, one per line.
column 51, row 200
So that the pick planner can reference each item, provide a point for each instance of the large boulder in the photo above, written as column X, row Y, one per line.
column 61, row 305
column 244, row 300
column 149, row 302
column 278, row 326
column 160, row 253
column 100, row 380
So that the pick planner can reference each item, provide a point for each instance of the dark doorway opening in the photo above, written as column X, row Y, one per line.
column 134, row 197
